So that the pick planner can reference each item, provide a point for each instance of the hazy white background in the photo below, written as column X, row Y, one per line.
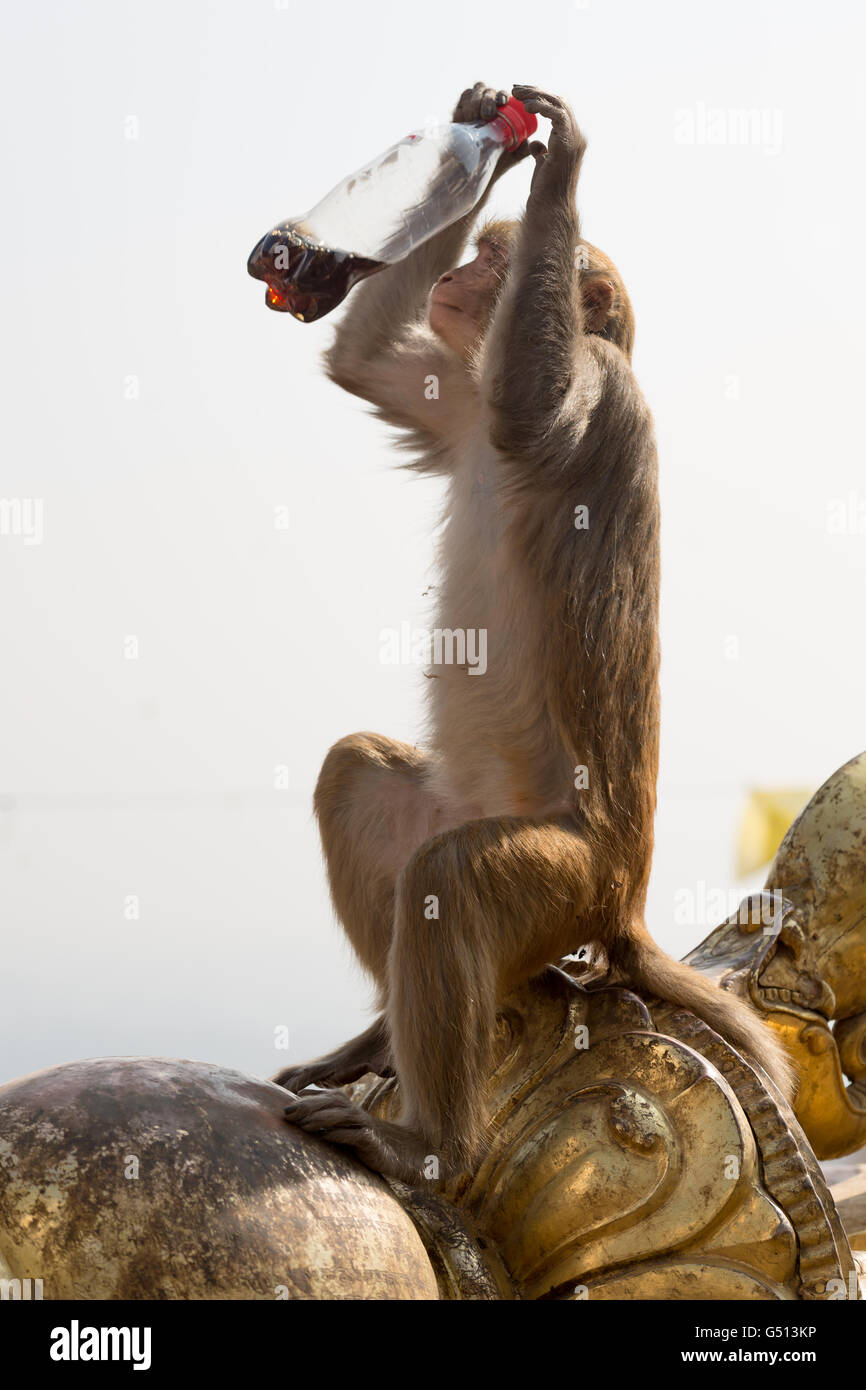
column 125, row 257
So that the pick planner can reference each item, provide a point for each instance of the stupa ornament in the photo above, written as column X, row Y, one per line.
column 633, row 1153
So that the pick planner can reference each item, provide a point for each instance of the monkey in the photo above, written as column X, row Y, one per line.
column 524, row 827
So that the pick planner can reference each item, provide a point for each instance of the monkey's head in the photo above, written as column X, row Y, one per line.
column 462, row 301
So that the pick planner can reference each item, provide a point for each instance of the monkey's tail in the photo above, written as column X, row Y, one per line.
column 654, row 971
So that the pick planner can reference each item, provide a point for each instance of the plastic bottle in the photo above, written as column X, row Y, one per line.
column 379, row 214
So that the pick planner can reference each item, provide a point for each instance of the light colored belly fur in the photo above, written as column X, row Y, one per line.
column 494, row 749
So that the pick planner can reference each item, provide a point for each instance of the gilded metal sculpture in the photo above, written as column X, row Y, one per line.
column 634, row 1153
column 800, row 957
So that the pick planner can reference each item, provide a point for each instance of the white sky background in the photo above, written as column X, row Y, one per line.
column 258, row 647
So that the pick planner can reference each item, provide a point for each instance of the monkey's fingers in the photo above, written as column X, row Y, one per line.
column 554, row 109
column 490, row 103
column 543, row 103
column 522, row 150
column 479, row 103
column 326, row 1111
column 538, row 150
column 469, row 103
column 509, row 158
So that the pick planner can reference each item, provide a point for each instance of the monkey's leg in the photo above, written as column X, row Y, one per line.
column 478, row 910
column 373, row 810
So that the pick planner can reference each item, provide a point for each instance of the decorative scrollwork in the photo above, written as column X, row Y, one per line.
column 805, row 970
column 648, row 1161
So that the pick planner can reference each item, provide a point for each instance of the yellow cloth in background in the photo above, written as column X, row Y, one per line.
column 767, row 815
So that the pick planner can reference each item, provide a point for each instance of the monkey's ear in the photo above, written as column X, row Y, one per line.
column 598, row 296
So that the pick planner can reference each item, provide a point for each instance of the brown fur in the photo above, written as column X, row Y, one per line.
column 544, row 416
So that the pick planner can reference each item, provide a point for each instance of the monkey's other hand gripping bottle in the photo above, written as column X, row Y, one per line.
column 379, row 214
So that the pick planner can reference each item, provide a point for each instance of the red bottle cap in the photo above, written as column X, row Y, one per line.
column 519, row 122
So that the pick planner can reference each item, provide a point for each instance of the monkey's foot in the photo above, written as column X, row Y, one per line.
column 330, row 1072
column 386, row 1148
column 337, row 1070
column 305, row 1074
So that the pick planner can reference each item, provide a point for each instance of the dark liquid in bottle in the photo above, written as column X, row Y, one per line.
column 303, row 277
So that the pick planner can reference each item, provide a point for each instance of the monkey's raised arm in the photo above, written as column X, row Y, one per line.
column 384, row 349
column 538, row 371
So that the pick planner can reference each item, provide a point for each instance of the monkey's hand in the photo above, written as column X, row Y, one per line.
column 481, row 103
column 558, row 165
column 384, row 1147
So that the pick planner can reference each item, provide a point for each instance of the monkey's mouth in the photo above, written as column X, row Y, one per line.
column 438, row 302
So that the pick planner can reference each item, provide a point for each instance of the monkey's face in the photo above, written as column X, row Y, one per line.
column 462, row 300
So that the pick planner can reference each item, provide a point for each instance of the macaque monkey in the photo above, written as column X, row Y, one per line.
column 525, row 828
